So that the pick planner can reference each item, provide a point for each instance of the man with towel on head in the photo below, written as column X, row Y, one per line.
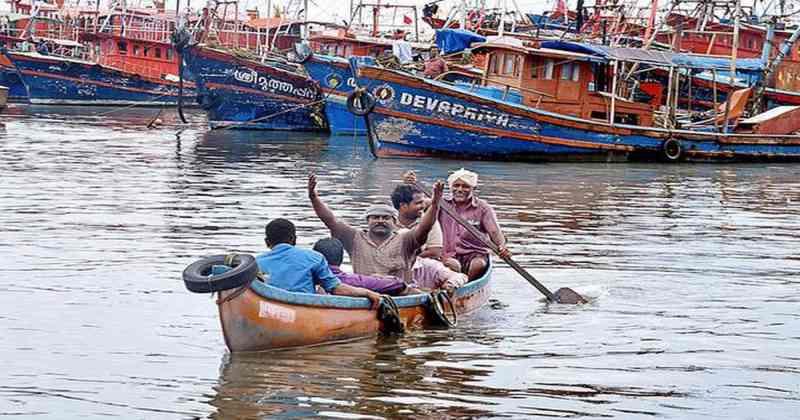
column 380, row 249
column 461, row 249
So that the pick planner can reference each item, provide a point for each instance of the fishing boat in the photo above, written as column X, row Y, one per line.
column 326, row 63
column 336, row 81
column 128, row 72
column 241, row 92
column 8, row 74
column 256, row 316
column 565, row 101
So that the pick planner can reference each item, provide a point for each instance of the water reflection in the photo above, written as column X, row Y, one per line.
column 696, row 267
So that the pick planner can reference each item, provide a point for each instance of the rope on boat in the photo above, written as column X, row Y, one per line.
column 266, row 117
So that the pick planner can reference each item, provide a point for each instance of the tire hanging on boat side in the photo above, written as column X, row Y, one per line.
column 198, row 275
column 360, row 102
column 671, row 150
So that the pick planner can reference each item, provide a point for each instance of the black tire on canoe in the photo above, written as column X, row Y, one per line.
column 198, row 278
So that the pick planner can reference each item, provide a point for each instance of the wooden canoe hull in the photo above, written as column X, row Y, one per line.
column 265, row 318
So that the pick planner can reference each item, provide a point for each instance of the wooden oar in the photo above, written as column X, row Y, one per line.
column 562, row 295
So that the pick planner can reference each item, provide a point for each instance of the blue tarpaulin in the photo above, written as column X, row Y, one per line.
column 657, row 58
column 454, row 40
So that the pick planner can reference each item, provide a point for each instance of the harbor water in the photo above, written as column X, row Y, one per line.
column 695, row 271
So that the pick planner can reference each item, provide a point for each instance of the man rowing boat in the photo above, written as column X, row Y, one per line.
column 459, row 245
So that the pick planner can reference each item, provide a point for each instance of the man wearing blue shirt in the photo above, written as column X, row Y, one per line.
column 299, row 270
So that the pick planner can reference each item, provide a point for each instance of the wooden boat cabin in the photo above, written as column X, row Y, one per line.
column 565, row 82
column 152, row 59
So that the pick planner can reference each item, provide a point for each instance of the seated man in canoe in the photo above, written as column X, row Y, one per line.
column 428, row 270
column 299, row 270
column 463, row 251
column 333, row 251
column 380, row 249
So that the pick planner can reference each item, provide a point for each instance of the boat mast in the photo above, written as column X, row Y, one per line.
column 734, row 51
column 771, row 67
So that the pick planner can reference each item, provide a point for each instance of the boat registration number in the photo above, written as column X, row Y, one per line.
column 268, row 310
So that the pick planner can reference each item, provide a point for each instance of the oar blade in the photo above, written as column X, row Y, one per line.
column 568, row 296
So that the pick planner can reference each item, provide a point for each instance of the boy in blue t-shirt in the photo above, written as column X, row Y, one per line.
column 299, row 270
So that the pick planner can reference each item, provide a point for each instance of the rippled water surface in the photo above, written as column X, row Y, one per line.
column 696, row 270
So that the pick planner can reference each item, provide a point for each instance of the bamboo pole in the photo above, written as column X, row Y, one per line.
column 734, row 53
column 613, row 93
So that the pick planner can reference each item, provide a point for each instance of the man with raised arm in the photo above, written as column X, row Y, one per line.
column 380, row 249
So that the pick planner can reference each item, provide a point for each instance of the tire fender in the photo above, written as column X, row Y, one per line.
column 198, row 278
column 360, row 102
column 672, row 150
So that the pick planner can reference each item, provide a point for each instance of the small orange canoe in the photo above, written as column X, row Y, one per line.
column 258, row 317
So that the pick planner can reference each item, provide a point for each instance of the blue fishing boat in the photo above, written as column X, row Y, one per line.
column 242, row 93
column 335, row 78
column 10, row 79
column 574, row 107
column 64, row 81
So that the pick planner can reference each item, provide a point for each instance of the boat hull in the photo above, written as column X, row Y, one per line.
column 243, row 94
column 58, row 81
column 10, row 79
column 414, row 117
column 335, row 78
column 265, row 318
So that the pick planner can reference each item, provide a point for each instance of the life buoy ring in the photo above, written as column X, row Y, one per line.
column 360, row 102
column 198, row 278
column 671, row 150
column 443, row 310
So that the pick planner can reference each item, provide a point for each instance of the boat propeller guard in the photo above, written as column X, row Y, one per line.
column 389, row 315
column 443, row 310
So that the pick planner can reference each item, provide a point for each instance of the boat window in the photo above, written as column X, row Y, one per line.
column 510, row 65
column 146, row 51
column 122, row 47
column 158, row 52
column 535, row 69
column 135, row 50
column 169, row 54
column 570, row 71
column 493, row 59
column 549, row 65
